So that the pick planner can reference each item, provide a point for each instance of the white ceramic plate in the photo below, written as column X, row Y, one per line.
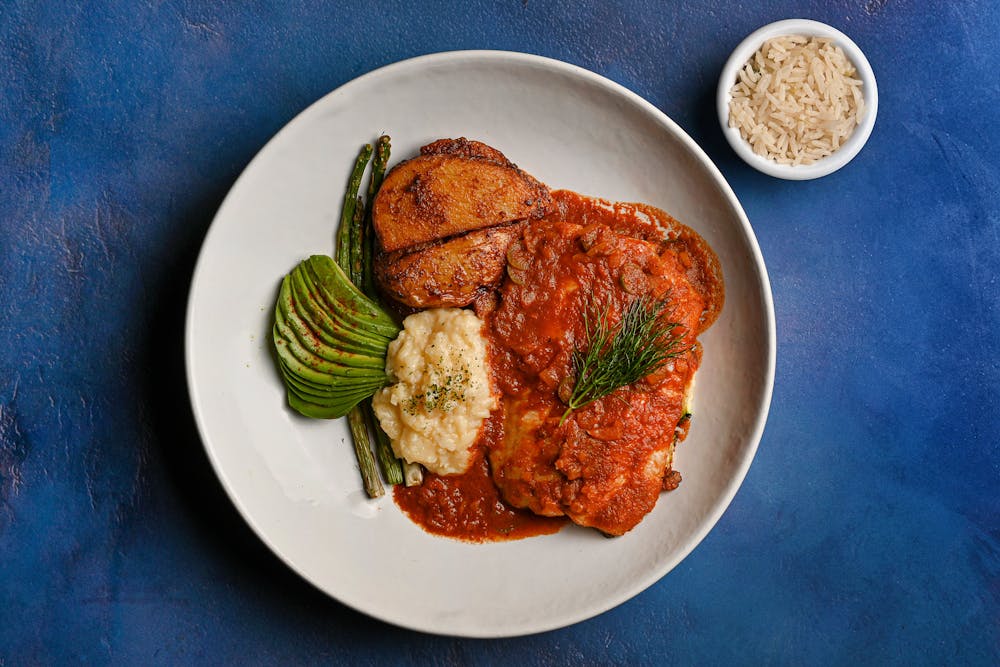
column 295, row 480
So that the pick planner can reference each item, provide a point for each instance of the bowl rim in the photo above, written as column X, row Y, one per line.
column 848, row 150
column 231, row 477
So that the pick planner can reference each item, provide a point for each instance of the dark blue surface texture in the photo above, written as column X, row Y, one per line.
column 868, row 528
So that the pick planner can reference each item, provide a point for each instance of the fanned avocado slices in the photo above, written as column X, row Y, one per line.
column 315, row 313
column 347, row 303
column 335, row 388
column 331, row 340
column 316, row 362
column 321, row 411
column 297, row 331
column 319, row 396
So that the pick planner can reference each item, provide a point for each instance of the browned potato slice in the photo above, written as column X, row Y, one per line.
column 452, row 273
column 466, row 148
column 437, row 196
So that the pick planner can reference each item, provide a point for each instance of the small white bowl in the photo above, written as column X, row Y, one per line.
column 848, row 149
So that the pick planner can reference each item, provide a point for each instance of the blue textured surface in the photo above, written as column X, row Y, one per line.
column 868, row 529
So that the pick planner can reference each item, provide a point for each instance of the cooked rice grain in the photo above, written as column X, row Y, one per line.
column 797, row 99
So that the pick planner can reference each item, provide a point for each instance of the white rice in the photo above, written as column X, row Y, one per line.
column 797, row 99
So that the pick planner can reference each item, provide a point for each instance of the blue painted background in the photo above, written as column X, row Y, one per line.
column 868, row 529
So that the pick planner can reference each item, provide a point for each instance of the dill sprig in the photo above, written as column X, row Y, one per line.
column 615, row 357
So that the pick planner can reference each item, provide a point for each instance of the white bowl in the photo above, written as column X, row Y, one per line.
column 848, row 149
column 295, row 479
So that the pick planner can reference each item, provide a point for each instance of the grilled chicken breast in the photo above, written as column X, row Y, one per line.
column 604, row 464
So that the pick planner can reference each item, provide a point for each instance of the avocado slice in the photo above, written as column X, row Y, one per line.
column 335, row 311
column 332, row 385
column 314, row 379
column 309, row 337
column 330, row 411
column 327, row 289
column 337, row 397
column 316, row 362
column 342, row 315
column 324, row 395
column 336, row 282
column 299, row 331
column 331, row 332
column 309, row 384
column 301, row 370
column 331, row 340
column 345, row 302
column 329, row 390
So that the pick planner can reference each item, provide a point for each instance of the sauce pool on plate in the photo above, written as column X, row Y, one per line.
column 605, row 464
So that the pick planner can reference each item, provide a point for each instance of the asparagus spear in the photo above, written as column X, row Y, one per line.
column 382, row 148
column 356, row 416
column 392, row 468
column 357, row 241
column 362, row 448
column 343, row 254
column 355, row 254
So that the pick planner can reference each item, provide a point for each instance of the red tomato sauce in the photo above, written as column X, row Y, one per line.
column 531, row 330
column 468, row 506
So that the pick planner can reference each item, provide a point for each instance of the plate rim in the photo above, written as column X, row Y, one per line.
column 465, row 56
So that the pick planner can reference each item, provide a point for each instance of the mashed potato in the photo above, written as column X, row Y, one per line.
column 441, row 394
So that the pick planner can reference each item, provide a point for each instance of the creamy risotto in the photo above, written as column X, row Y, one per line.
column 441, row 391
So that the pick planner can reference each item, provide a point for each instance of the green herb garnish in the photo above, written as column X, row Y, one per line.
column 444, row 395
column 617, row 356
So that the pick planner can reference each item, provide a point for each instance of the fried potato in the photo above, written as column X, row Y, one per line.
column 466, row 148
column 464, row 187
column 452, row 273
